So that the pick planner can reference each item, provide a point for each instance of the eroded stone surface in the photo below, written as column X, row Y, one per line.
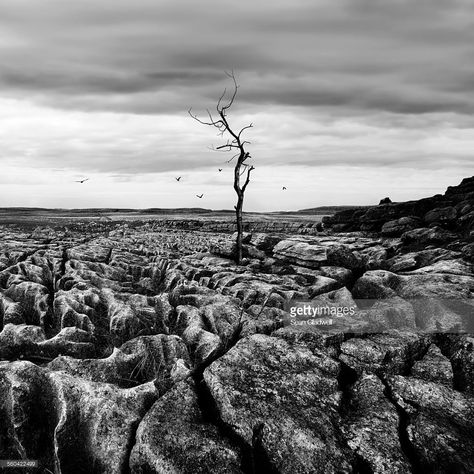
column 440, row 427
column 175, row 436
column 281, row 398
column 162, row 356
column 372, row 428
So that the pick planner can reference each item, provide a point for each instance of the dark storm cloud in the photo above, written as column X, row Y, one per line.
column 159, row 57
column 397, row 100
column 105, row 83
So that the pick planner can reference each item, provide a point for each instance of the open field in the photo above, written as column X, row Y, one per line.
column 117, row 214
column 30, row 218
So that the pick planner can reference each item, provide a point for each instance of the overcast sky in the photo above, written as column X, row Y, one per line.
column 351, row 100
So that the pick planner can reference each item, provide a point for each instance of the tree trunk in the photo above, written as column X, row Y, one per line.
column 238, row 215
column 234, row 143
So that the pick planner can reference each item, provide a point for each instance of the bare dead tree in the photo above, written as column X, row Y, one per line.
column 235, row 143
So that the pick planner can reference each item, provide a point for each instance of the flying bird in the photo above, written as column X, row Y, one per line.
column 82, row 180
column 178, row 178
column 284, row 188
column 199, row 196
column 220, row 169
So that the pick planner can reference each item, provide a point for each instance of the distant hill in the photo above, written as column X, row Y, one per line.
column 327, row 209
column 178, row 210
column 88, row 212
column 91, row 211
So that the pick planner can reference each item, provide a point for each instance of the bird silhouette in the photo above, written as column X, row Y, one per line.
column 200, row 197
column 284, row 188
column 178, row 178
column 220, row 169
column 82, row 180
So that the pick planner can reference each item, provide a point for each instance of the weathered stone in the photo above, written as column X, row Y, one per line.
column 47, row 412
column 202, row 343
column 426, row 236
column 376, row 284
column 392, row 313
column 371, row 428
column 27, row 414
column 34, row 298
column 328, row 342
column 246, row 237
column 140, row 360
column 468, row 252
column 225, row 249
column 340, row 256
column 423, row 258
column 323, row 285
column 283, row 400
column 340, row 274
column 391, row 353
column 440, row 429
column 462, row 360
column 102, row 417
column 434, row 367
column 69, row 341
column 300, row 253
column 175, row 436
column 265, row 242
column 381, row 284
column 18, row 340
column 444, row 215
column 398, row 227
column 374, row 258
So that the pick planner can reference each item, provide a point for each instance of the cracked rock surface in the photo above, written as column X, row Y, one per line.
column 137, row 349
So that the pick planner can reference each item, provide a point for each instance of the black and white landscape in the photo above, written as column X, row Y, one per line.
column 149, row 326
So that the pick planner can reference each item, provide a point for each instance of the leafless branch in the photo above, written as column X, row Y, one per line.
column 245, row 128
column 247, row 181
column 227, row 145
column 233, row 157
column 231, row 100
column 218, row 106
column 215, row 123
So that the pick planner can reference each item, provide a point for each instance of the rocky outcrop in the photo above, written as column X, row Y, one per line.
column 453, row 211
column 427, row 236
column 398, row 227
